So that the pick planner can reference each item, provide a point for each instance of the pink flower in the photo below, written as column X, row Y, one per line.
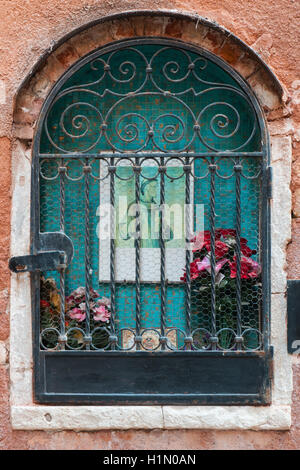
column 205, row 264
column 79, row 292
column 249, row 268
column 220, row 264
column 104, row 301
column 256, row 268
column 199, row 240
column 102, row 314
column 77, row 314
column 78, row 296
column 82, row 306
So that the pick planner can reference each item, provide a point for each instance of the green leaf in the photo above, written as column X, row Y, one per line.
column 223, row 283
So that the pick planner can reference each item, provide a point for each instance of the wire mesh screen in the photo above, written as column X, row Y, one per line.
column 150, row 162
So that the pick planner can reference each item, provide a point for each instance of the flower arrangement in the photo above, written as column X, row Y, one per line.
column 225, row 282
column 75, row 315
column 76, row 306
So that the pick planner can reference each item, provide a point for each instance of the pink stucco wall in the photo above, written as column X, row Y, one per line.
column 28, row 29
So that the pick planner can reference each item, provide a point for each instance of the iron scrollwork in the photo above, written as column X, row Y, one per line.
column 130, row 107
column 122, row 108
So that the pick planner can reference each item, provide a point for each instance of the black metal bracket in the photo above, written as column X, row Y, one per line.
column 55, row 253
column 47, row 261
column 293, row 314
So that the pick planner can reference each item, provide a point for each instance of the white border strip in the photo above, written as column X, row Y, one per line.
column 92, row 418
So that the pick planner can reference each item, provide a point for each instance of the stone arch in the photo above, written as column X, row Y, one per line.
column 187, row 27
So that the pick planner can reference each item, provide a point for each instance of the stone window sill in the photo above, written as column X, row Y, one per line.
column 93, row 418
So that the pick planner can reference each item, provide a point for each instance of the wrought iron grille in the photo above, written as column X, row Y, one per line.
column 160, row 123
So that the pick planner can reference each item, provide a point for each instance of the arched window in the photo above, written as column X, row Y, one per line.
column 150, row 223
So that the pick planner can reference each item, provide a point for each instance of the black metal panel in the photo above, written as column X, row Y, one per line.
column 157, row 378
column 48, row 260
column 293, row 310
column 55, row 250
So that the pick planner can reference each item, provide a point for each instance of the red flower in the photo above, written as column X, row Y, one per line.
column 220, row 248
column 225, row 239
column 225, row 233
column 93, row 293
column 193, row 270
column 245, row 249
column 200, row 240
column 203, row 240
column 249, row 268
column 44, row 304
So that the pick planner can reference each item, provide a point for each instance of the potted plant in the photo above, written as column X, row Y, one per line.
column 225, row 289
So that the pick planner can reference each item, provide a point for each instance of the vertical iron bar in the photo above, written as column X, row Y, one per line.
column 137, row 245
column 212, row 220
column 265, row 244
column 36, row 276
column 187, row 170
column 112, row 250
column 62, row 335
column 87, row 170
column 237, row 169
column 162, row 254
